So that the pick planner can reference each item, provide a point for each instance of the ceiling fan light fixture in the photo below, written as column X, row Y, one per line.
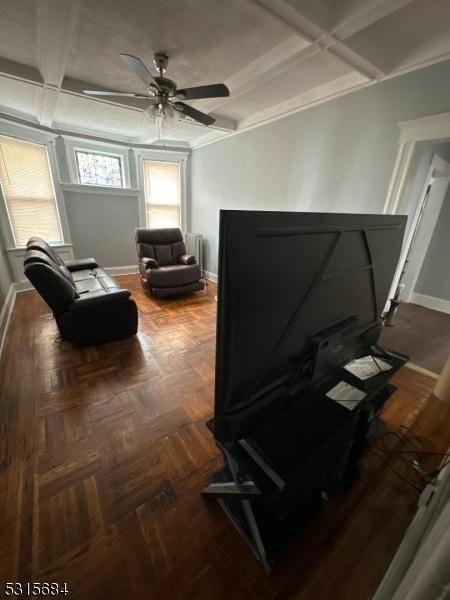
column 162, row 115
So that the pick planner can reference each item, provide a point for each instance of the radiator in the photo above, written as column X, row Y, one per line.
column 194, row 245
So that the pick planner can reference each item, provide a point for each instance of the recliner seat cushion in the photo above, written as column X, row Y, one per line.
column 174, row 275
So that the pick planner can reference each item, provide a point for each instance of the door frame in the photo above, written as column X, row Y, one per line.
column 439, row 170
column 433, row 128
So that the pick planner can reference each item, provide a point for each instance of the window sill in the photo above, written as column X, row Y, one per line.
column 98, row 189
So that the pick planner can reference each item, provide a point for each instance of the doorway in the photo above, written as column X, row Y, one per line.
column 414, row 136
column 423, row 224
column 418, row 187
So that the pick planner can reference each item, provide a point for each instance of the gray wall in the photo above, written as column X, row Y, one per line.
column 338, row 156
column 5, row 275
column 102, row 226
column 434, row 277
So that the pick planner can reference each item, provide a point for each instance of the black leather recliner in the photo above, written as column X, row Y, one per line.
column 164, row 267
column 89, row 306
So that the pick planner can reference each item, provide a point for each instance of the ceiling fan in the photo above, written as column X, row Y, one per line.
column 163, row 92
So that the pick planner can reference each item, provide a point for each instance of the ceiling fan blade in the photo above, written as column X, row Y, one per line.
column 217, row 90
column 104, row 93
column 136, row 65
column 193, row 113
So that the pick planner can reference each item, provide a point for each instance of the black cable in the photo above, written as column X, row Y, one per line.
column 417, row 444
column 399, row 475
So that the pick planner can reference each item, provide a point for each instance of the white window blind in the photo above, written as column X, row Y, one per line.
column 162, row 194
column 28, row 191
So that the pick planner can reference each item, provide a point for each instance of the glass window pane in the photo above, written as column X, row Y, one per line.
column 99, row 169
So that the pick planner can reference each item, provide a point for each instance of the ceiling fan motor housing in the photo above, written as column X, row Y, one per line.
column 166, row 86
column 160, row 60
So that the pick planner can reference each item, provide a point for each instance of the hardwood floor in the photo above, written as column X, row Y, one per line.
column 104, row 452
column 421, row 333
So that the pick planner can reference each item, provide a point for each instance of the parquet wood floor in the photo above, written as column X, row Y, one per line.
column 104, row 452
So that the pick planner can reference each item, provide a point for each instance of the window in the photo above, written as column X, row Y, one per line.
column 28, row 191
column 98, row 164
column 162, row 194
column 94, row 168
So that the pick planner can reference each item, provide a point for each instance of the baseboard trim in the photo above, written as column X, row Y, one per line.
column 5, row 314
column 127, row 270
column 422, row 370
column 211, row 276
column 431, row 302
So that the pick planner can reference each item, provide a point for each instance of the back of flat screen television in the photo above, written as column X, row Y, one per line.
column 299, row 373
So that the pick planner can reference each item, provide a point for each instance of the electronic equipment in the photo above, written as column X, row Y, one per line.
column 299, row 295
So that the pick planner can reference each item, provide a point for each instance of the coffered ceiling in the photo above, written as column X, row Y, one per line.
column 275, row 56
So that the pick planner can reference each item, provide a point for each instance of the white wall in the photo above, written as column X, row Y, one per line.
column 338, row 156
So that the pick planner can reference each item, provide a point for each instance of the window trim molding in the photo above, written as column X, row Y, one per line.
column 98, row 189
column 180, row 158
column 43, row 139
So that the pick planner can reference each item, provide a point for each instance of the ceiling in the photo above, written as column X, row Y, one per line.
column 275, row 56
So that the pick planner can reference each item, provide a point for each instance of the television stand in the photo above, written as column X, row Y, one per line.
column 272, row 483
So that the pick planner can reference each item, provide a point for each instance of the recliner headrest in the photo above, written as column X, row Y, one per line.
column 37, row 243
column 167, row 235
column 37, row 256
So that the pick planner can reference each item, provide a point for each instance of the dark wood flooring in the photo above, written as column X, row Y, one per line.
column 420, row 333
column 104, row 452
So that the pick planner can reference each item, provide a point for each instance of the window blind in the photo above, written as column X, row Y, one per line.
column 28, row 191
column 162, row 194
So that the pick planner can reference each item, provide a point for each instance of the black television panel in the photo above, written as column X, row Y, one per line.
column 299, row 295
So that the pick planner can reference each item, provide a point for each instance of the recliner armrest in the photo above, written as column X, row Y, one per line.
column 81, row 263
column 186, row 259
column 150, row 263
column 98, row 298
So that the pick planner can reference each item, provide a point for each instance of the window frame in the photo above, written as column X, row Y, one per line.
column 47, row 140
column 72, row 145
column 179, row 158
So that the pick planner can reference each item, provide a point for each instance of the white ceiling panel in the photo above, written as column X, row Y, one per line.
column 18, row 95
column 275, row 56
column 18, row 31
column 100, row 116
column 416, row 33
column 206, row 41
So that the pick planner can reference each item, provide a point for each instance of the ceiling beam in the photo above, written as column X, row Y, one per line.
column 316, row 35
column 327, row 91
column 15, row 70
column 351, row 16
column 274, row 62
column 223, row 124
column 56, row 24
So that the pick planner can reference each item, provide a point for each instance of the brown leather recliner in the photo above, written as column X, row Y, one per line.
column 164, row 267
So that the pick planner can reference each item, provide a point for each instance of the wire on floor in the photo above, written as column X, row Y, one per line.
column 411, row 458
